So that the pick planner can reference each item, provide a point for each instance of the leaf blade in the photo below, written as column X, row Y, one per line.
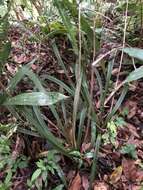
column 135, row 75
column 134, row 52
column 35, row 99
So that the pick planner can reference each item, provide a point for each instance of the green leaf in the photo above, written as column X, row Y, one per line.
column 59, row 187
column 129, row 149
column 80, row 127
column 67, row 23
column 34, row 119
column 135, row 75
column 36, row 99
column 36, row 175
column 5, row 51
column 120, row 121
column 8, row 176
column 95, row 158
column 117, row 105
column 25, row 71
column 134, row 52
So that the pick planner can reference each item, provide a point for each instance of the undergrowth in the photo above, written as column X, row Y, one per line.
column 97, row 46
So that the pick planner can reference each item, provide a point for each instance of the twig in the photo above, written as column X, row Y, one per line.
column 103, row 56
column 101, row 14
column 113, row 92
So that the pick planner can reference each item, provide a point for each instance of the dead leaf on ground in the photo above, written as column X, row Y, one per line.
column 116, row 175
column 20, row 58
column 76, row 183
column 140, row 154
column 11, row 68
column 129, row 169
column 101, row 186
column 132, row 107
column 85, row 147
column 85, row 182
column 133, row 130
column 136, row 187
column 140, row 176
column 19, row 145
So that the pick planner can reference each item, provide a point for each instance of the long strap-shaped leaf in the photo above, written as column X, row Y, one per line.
column 25, row 71
column 35, row 99
column 43, row 130
column 60, row 83
column 135, row 75
column 94, row 163
column 118, row 104
column 134, row 52
column 67, row 24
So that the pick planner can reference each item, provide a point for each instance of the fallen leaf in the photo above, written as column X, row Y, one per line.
column 85, row 182
column 34, row 67
column 140, row 154
column 101, row 186
column 85, row 147
column 133, row 130
column 132, row 107
column 20, row 58
column 139, row 176
column 129, row 169
column 116, row 175
column 11, row 69
column 136, row 187
column 19, row 145
column 76, row 183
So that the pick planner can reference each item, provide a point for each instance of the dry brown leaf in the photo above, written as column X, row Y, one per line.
column 139, row 176
column 76, row 183
column 20, row 58
column 116, row 175
column 132, row 107
column 11, row 69
column 136, row 187
column 140, row 154
column 85, row 147
column 85, row 182
column 19, row 145
column 101, row 186
column 133, row 130
column 129, row 169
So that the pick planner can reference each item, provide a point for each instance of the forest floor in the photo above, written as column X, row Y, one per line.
column 119, row 166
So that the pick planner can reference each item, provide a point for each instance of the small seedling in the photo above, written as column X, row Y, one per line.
column 45, row 167
column 110, row 135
